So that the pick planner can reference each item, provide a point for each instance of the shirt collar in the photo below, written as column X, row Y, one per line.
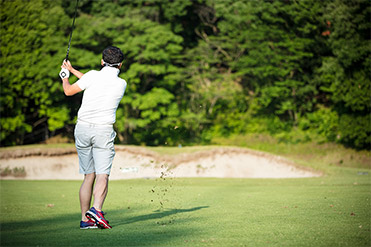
column 112, row 70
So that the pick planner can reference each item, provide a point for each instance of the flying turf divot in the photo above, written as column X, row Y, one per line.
column 160, row 193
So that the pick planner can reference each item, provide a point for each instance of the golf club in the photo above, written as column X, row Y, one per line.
column 73, row 25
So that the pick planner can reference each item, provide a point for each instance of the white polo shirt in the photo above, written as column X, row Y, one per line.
column 103, row 93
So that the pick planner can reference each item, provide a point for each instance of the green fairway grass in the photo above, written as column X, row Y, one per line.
column 333, row 210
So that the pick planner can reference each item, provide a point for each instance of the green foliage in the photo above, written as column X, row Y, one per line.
column 57, row 117
column 298, row 70
column 323, row 122
column 270, row 49
column 30, row 46
column 345, row 73
column 355, row 131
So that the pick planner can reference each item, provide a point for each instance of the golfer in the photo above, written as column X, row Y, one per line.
column 94, row 134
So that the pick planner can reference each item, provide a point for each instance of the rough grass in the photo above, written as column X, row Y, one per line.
column 40, row 146
column 327, row 211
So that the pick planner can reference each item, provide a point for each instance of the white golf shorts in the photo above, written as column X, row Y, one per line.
column 95, row 147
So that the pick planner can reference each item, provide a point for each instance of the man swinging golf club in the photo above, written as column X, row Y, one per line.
column 94, row 134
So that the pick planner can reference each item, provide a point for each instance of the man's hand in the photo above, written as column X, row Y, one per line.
column 64, row 73
column 67, row 65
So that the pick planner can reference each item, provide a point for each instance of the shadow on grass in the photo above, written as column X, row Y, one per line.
column 140, row 230
column 158, row 214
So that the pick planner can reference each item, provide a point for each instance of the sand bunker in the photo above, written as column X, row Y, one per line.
column 136, row 162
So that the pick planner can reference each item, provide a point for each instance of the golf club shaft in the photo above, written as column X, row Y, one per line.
column 73, row 25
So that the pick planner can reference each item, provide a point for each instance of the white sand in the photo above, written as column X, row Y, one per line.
column 136, row 162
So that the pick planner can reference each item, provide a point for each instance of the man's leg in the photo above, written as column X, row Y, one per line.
column 85, row 194
column 100, row 190
column 100, row 193
column 103, row 153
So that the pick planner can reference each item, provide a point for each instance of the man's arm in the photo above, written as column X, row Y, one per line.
column 67, row 65
column 77, row 73
column 69, row 89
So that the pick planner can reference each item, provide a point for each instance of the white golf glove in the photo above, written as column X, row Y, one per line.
column 64, row 73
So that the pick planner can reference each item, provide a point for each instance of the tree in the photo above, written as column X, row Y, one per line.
column 195, row 69
column 345, row 72
column 31, row 41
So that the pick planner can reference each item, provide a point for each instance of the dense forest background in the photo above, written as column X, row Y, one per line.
column 298, row 70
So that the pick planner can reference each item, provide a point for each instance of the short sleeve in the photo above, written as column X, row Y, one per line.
column 85, row 81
